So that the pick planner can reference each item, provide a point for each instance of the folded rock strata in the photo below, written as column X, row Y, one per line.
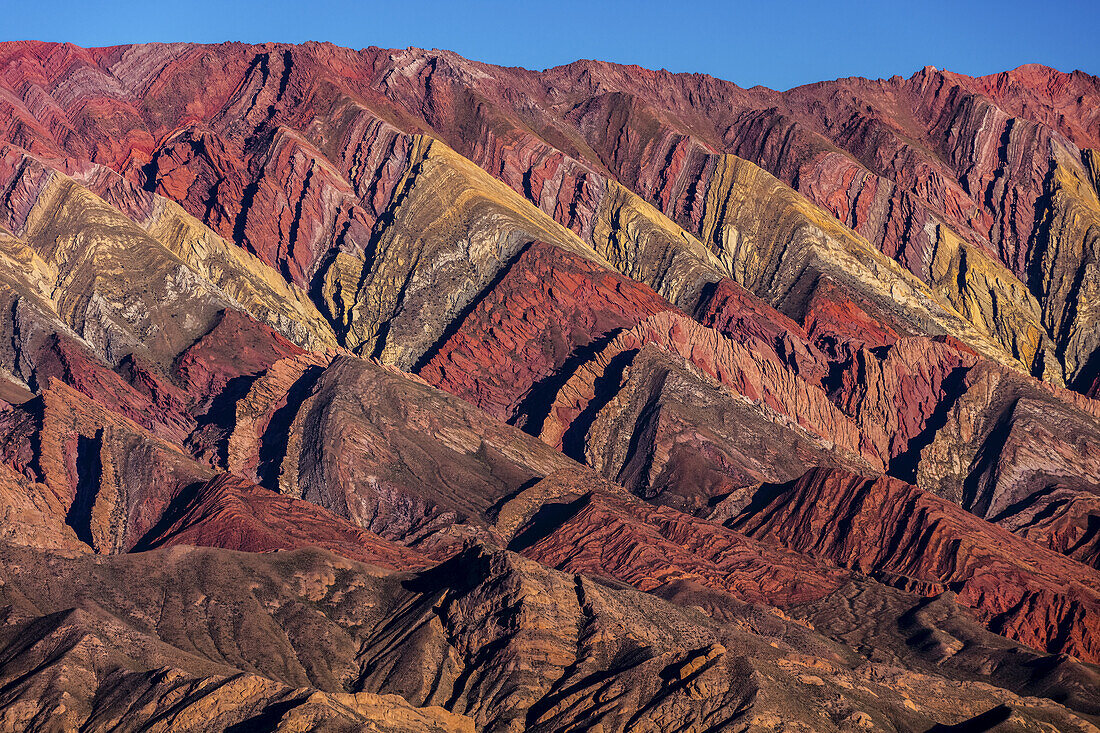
column 374, row 389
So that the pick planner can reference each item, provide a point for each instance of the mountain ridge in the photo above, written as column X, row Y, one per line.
column 428, row 394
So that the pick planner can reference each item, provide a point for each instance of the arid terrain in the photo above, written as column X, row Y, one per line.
column 387, row 390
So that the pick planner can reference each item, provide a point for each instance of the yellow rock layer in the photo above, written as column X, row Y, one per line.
column 989, row 295
column 26, row 284
column 642, row 243
column 241, row 277
column 124, row 286
column 770, row 239
column 1091, row 160
column 109, row 281
column 449, row 230
column 22, row 270
column 1068, row 248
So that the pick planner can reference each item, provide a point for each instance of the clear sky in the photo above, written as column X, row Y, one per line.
column 778, row 44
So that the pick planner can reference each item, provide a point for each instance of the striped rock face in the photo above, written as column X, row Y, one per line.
column 387, row 390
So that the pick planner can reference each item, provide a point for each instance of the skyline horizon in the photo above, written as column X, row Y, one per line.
column 578, row 60
column 800, row 44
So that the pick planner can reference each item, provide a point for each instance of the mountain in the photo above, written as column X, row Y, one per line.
column 388, row 390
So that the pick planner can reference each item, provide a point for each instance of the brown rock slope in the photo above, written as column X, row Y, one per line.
column 400, row 458
column 1022, row 456
column 307, row 636
column 235, row 514
column 615, row 410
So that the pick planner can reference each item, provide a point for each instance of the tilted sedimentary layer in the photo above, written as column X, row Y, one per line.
column 388, row 390
column 884, row 520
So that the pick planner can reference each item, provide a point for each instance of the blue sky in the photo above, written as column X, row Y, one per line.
column 777, row 44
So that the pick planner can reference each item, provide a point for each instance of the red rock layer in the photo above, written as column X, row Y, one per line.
column 839, row 326
column 797, row 135
column 234, row 514
column 400, row 458
column 141, row 395
column 760, row 378
column 906, row 537
column 236, row 346
column 548, row 306
column 895, row 395
column 33, row 514
column 1066, row 519
column 301, row 154
column 650, row 547
column 116, row 479
column 1022, row 455
column 295, row 152
column 673, row 435
column 256, row 424
column 745, row 318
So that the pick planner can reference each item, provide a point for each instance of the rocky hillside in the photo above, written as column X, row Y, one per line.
column 388, row 390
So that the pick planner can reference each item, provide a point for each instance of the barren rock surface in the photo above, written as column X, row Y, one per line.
column 388, row 390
